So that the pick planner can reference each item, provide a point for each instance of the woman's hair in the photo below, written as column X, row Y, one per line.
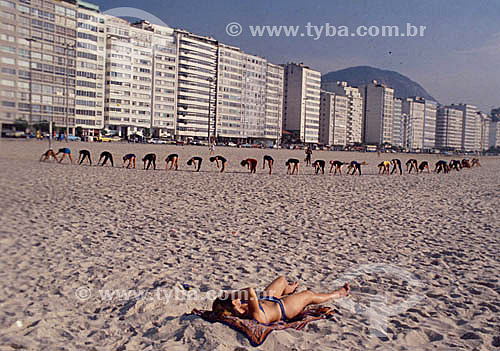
column 212, row 159
column 223, row 307
column 190, row 162
column 244, row 162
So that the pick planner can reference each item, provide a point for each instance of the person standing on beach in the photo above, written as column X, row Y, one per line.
column 65, row 151
column 222, row 161
column 107, row 156
column 47, row 155
column 308, row 156
column 270, row 163
column 338, row 166
column 355, row 166
column 293, row 166
column 422, row 166
column 150, row 159
column 319, row 165
column 131, row 160
column 173, row 160
column 84, row 154
column 196, row 161
column 442, row 166
column 412, row 164
column 251, row 163
column 396, row 163
column 211, row 148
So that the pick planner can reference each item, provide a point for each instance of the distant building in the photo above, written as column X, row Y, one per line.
column 354, row 109
column 378, row 113
column 419, row 124
column 449, row 128
column 333, row 119
column 397, row 125
column 471, row 127
column 495, row 128
column 485, row 121
column 301, row 102
column 430, row 112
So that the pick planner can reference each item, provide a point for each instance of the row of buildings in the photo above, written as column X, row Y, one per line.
column 86, row 71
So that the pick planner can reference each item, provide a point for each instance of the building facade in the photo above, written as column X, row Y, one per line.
column 397, row 132
column 333, row 119
column 413, row 124
column 274, row 102
column 471, row 127
column 429, row 137
column 301, row 102
column 378, row 113
column 354, row 109
column 449, row 128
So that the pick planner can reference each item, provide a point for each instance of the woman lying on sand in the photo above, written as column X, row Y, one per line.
column 272, row 305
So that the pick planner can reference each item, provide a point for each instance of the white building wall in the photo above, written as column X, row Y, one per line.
column 449, row 128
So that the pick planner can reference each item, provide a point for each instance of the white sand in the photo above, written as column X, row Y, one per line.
column 65, row 226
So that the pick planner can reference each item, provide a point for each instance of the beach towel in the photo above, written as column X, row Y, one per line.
column 257, row 332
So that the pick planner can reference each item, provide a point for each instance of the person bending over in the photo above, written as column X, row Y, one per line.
column 355, row 166
column 475, row 163
column 455, row 164
column 84, row 154
column 173, row 160
column 442, row 166
column 338, row 166
column 383, row 167
column 270, row 163
column 65, row 151
column 251, row 163
column 47, row 155
column 466, row 163
column 396, row 163
column 412, row 164
column 422, row 166
column 220, row 161
column 319, row 165
column 278, row 302
column 196, row 161
column 130, row 158
column 106, row 155
column 150, row 159
column 292, row 166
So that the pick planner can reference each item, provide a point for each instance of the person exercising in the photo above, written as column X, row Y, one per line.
column 270, row 163
column 251, row 163
column 173, row 160
column 293, row 166
column 222, row 164
column 442, row 166
column 424, row 165
column 338, row 166
column 196, row 161
column 107, row 156
column 383, row 167
column 411, row 164
column 84, row 154
column 455, row 164
column 150, row 159
column 319, row 165
column 47, row 155
column 355, row 166
column 131, row 160
column 65, row 151
column 466, row 163
column 396, row 163
column 475, row 163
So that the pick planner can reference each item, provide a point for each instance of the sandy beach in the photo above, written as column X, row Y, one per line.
column 421, row 252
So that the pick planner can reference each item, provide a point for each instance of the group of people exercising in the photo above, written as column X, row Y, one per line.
column 172, row 162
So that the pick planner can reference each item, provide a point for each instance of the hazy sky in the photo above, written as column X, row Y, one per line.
column 457, row 60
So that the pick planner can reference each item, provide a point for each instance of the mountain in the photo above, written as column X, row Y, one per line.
column 356, row 76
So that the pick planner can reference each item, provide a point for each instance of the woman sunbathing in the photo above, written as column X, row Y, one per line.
column 272, row 305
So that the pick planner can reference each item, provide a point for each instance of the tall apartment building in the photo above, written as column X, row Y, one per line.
column 397, row 131
column 413, row 124
column 378, row 113
column 90, row 69
column 449, row 128
column 471, row 127
column 430, row 114
column 37, row 75
column 301, row 102
column 485, row 121
column 196, row 86
column 354, row 108
column 333, row 119
column 274, row 102
column 495, row 128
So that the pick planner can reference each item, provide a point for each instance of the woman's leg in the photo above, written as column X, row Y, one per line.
column 280, row 287
column 294, row 304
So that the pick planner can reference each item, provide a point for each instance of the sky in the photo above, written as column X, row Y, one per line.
column 456, row 61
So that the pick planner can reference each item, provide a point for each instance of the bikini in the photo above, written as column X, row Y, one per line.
column 275, row 300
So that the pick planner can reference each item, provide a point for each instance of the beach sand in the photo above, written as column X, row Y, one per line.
column 421, row 252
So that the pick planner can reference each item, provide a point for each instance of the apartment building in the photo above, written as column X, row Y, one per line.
column 413, row 124
column 333, row 119
column 301, row 102
column 354, row 109
column 397, row 132
column 37, row 76
column 90, row 70
column 449, row 128
column 274, row 102
column 378, row 113
column 471, row 127
column 196, row 86
column 430, row 112
column 485, row 121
